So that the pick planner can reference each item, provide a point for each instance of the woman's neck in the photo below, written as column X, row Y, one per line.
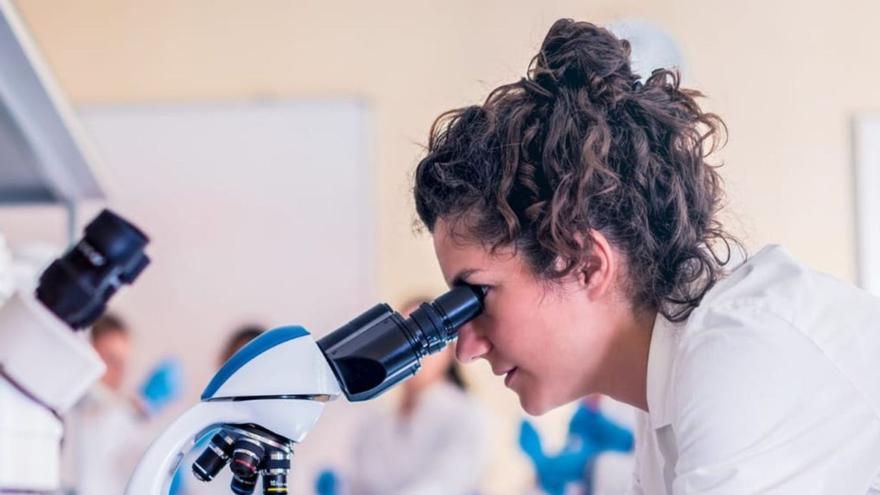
column 625, row 370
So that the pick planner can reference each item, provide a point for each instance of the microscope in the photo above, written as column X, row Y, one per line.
column 45, row 367
column 269, row 395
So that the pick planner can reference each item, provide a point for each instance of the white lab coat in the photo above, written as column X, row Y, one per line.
column 440, row 449
column 104, row 438
column 772, row 386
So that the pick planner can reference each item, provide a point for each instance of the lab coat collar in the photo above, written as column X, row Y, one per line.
column 661, row 358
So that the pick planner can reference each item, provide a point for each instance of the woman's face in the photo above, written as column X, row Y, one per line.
column 548, row 340
column 115, row 350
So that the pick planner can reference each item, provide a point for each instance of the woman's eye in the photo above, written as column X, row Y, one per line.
column 484, row 288
column 487, row 289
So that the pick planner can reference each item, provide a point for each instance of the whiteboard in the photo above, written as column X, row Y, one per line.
column 258, row 211
column 866, row 132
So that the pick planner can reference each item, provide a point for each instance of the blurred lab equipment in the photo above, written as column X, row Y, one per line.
column 45, row 365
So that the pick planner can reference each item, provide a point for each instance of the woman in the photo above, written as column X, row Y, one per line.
column 583, row 201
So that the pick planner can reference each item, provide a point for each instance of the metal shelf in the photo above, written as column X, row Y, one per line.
column 44, row 156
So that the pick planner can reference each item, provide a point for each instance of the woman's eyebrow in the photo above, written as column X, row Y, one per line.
column 462, row 275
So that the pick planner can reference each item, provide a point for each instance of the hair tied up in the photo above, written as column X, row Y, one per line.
column 579, row 144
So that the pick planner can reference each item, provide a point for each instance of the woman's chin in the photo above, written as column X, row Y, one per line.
column 537, row 400
column 533, row 404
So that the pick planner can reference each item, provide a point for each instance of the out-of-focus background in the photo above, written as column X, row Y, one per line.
column 267, row 147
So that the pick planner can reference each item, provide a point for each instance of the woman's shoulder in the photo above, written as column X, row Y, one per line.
column 768, row 278
column 772, row 285
column 773, row 320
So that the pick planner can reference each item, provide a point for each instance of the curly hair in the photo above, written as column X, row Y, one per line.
column 580, row 144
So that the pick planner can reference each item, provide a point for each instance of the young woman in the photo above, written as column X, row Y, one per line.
column 583, row 201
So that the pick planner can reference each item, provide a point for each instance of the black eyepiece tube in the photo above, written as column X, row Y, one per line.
column 461, row 305
column 77, row 286
column 436, row 323
column 381, row 348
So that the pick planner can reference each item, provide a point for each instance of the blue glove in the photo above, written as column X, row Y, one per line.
column 569, row 466
column 583, row 421
column 530, row 442
column 591, row 426
column 163, row 385
column 327, row 483
column 554, row 473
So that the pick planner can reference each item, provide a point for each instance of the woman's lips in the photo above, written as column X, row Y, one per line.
column 509, row 377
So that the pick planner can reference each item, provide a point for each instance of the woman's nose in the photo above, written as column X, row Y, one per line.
column 471, row 345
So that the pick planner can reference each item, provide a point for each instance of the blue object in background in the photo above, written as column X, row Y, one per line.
column 327, row 483
column 590, row 424
column 163, row 385
column 589, row 434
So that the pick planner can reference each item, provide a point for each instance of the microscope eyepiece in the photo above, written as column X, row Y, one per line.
column 436, row 323
column 460, row 305
column 77, row 286
column 380, row 348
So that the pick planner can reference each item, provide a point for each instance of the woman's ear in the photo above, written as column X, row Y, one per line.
column 599, row 268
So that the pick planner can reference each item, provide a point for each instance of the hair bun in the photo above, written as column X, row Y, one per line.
column 578, row 55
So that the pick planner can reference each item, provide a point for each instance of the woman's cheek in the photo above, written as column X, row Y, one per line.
column 485, row 323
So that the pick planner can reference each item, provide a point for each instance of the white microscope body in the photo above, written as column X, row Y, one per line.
column 45, row 369
column 45, row 366
column 280, row 381
column 270, row 394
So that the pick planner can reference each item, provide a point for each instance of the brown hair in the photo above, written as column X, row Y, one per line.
column 580, row 144
column 108, row 324
column 240, row 338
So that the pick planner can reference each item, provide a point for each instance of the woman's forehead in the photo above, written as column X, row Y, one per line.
column 458, row 256
column 454, row 255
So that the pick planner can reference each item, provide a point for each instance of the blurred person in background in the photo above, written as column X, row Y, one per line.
column 433, row 443
column 108, row 430
column 238, row 339
column 573, row 469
